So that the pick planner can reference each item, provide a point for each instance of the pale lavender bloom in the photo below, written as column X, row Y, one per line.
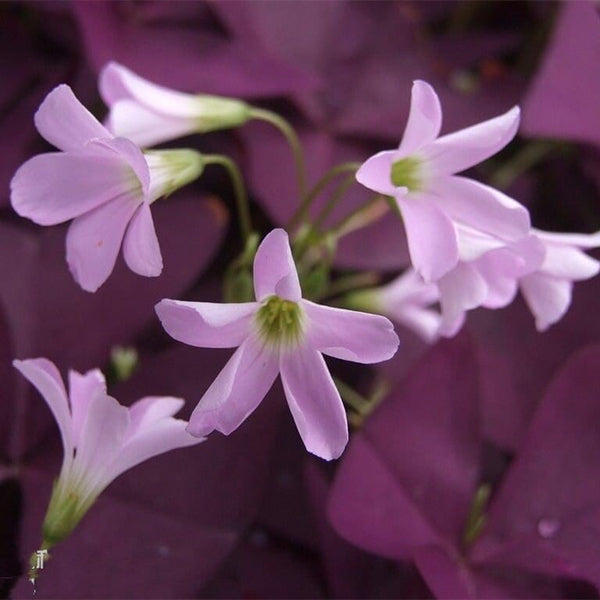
column 490, row 279
column 279, row 333
column 104, row 183
column 149, row 114
column 434, row 202
column 101, row 438
column 548, row 290
column 407, row 300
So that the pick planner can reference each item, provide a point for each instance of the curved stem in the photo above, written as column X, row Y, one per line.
column 241, row 197
column 292, row 138
column 355, row 214
column 308, row 198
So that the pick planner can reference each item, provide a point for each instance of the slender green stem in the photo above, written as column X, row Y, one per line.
column 355, row 213
column 530, row 155
column 309, row 198
column 241, row 197
column 351, row 397
column 337, row 195
column 292, row 138
column 352, row 282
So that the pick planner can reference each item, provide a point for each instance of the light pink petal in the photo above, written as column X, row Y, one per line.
column 128, row 151
column 44, row 375
column 579, row 240
column 274, row 268
column 145, row 127
column 83, row 389
column 567, row 262
column 140, row 245
column 152, row 431
column 425, row 322
column 64, row 122
column 481, row 207
column 460, row 150
column 167, row 434
column 207, row 324
column 94, row 239
column 425, row 118
column 56, row 187
column 407, row 288
column 460, row 290
column 376, row 172
column 432, row 239
column 118, row 83
column 315, row 403
column 148, row 411
column 548, row 298
column 348, row 334
column 237, row 391
column 101, row 440
column 473, row 244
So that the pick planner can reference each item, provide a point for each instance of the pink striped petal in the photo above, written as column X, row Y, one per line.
column 140, row 245
column 82, row 391
column 207, row 324
column 56, row 187
column 458, row 151
column 274, row 268
column 424, row 121
column 315, row 402
column 44, row 375
column 376, row 173
column 480, row 207
column 64, row 122
column 236, row 392
column 94, row 239
column 432, row 239
column 350, row 335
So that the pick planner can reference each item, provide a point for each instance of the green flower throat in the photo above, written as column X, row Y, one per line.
column 279, row 321
column 406, row 172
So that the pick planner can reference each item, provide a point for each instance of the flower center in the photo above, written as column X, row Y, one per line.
column 279, row 321
column 406, row 172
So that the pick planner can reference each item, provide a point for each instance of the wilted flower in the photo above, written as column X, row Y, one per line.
column 548, row 289
column 101, row 438
column 148, row 113
column 434, row 202
column 104, row 183
column 279, row 333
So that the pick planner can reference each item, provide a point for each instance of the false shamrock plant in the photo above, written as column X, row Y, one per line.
column 470, row 245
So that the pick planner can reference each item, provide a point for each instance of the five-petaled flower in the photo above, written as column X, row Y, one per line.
column 104, row 183
column 279, row 333
column 101, row 438
column 149, row 114
column 442, row 212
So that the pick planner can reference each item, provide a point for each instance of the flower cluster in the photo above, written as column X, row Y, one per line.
column 470, row 245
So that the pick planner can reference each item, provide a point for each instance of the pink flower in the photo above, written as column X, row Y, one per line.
column 491, row 280
column 101, row 438
column 279, row 333
column 150, row 114
column 548, row 290
column 434, row 202
column 407, row 300
column 105, row 184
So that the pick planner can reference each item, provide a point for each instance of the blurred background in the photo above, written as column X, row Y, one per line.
column 478, row 475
